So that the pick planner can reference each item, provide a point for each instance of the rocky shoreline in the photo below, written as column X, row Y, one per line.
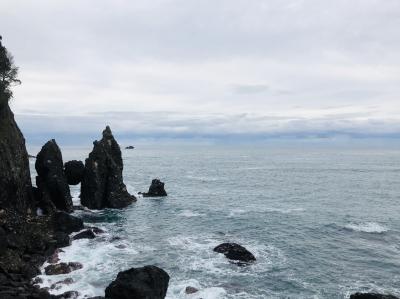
column 36, row 222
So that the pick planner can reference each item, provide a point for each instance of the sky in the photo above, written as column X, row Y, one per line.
column 246, row 69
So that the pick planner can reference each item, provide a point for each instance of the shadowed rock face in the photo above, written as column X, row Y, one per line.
column 102, row 185
column 149, row 282
column 74, row 171
column 15, row 179
column 51, row 181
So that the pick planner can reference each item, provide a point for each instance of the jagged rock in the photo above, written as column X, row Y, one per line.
column 149, row 282
column 15, row 177
column 156, row 189
column 86, row 234
column 102, row 185
column 62, row 268
column 371, row 296
column 51, row 180
column 74, row 171
column 57, row 285
column 66, row 295
column 67, row 223
column 235, row 252
column 54, row 259
column 191, row 290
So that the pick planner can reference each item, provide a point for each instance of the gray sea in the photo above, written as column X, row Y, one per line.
column 322, row 223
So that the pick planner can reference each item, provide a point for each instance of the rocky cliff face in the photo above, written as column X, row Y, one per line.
column 15, row 179
column 102, row 185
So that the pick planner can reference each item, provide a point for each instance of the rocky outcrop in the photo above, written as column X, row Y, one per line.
column 235, row 252
column 67, row 223
column 148, row 282
column 15, row 177
column 51, row 181
column 86, row 234
column 156, row 189
column 371, row 296
column 62, row 268
column 74, row 171
column 102, row 185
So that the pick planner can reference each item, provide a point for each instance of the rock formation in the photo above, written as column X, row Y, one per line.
column 149, row 282
column 156, row 189
column 235, row 252
column 51, row 181
column 74, row 171
column 102, row 185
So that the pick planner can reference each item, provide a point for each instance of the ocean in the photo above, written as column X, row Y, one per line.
column 322, row 223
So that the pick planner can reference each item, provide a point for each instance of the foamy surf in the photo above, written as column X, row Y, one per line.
column 367, row 227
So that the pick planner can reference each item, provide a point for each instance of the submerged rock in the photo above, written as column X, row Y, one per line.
column 235, row 252
column 74, row 171
column 156, row 189
column 86, row 234
column 149, row 282
column 102, row 185
column 371, row 296
column 51, row 180
column 62, row 268
column 130, row 147
column 191, row 290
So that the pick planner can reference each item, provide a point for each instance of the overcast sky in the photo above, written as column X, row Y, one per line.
column 206, row 68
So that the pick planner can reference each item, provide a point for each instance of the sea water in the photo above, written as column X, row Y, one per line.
column 321, row 223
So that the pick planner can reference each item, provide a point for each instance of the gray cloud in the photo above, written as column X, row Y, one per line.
column 220, row 66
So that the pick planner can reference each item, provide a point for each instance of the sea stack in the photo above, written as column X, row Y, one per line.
column 102, row 185
column 156, row 189
column 51, row 181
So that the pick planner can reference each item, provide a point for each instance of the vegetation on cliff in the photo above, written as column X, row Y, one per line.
column 8, row 75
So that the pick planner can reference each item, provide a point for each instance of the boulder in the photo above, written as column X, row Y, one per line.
column 148, row 282
column 102, row 185
column 74, row 171
column 235, row 252
column 191, row 290
column 156, row 189
column 62, row 268
column 371, row 296
column 51, row 180
column 86, row 234
column 67, row 223
column 66, row 295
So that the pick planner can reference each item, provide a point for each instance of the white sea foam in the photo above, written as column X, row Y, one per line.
column 367, row 227
column 189, row 213
column 176, row 290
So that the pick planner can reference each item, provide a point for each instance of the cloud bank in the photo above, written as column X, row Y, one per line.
column 206, row 68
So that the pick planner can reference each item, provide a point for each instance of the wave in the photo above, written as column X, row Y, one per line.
column 367, row 227
column 189, row 213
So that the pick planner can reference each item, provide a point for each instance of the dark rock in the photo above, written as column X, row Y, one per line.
column 53, row 259
column 156, row 189
column 97, row 230
column 67, row 223
column 86, row 234
column 15, row 177
column 191, row 290
column 149, row 282
column 57, row 285
column 371, row 296
column 51, row 180
column 74, row 171
column 62, row 268
column 130, row 147
column 235, row 252
column 62, row 239
column 97, row 297
column 66, row 295
column 102, row 185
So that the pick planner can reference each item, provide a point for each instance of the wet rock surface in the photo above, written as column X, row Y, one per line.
column 74, row 171
column 102, row 185
column 62, row 268
column 156, row 189
column 235, row 252
column 51, row 181
column 191, row 290
column 86, row 234
column 139, row 283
